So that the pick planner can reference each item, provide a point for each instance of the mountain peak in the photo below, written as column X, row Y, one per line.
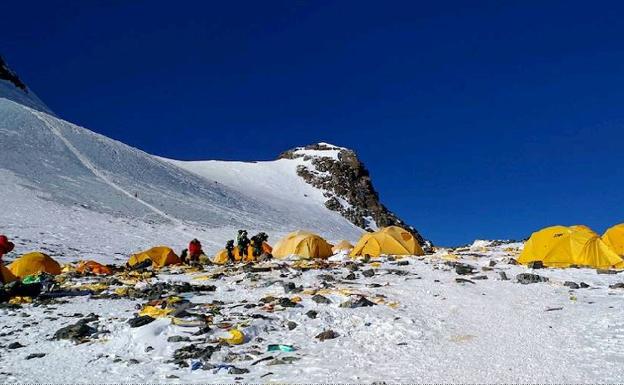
column 346, row 185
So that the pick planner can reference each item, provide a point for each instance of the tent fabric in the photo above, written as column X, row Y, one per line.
column 302, row 244
column 391, row 240
column 6, row 275
column 342, row 246
column 614, row 238
column 560, row 246
column 34, row 263
column 160, row 256
column 93, row 267
column 221, row 257
column 541, row 242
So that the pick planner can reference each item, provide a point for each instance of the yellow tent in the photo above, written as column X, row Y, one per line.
column 561, row 246
column 342, row 246
column 160, row 256
column 614, row 238
column 34, row 263
column 302, row 244
column 221, row 258
column 391, row 240
column 6, row 276
column 541, row 242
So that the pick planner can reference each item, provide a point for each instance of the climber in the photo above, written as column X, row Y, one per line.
column 256, row 243
column 242, row 242
column 229, row 247
column 195, row 253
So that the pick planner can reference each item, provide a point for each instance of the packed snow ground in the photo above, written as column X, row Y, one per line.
column 426, row 327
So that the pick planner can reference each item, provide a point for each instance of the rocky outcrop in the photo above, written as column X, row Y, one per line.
column 347, row 185
column 7, row 74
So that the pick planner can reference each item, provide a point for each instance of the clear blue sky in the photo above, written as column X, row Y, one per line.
column 476, row 118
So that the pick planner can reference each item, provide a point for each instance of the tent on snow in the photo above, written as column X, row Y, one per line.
column 160, row 256
column 344, row 246
column 561, row 246
column 221, row 258
column 391, row 240
column 34, row 263
column 614, row 238
column 302, row 244
column 93, row 267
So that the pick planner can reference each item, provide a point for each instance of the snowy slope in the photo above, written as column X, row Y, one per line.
column 62, row 168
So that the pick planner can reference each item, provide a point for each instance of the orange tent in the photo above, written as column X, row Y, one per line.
column 93, row 267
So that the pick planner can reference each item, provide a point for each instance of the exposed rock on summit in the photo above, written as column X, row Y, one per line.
column 347, row 185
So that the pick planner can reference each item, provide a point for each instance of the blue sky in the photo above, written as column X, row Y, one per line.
column 477, row 119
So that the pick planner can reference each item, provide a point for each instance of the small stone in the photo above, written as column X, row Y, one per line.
column 311, row 314
column 286, row 302
column 321, row 299
column 464, row 280
column 327, row 335
column 403, row 263
column 584, row 285
column 463, row 269
column 368, row 273
column 140, row 321
column 178, row 339
column 350, row 276
column 492, row 263
column 291, row 325
column 15, row 345
column 235, row 370
column 479, row 277
column 133, row 361
column 503, row 276
column 148, row 349
column 360, row 302
column 571, row 285
column 527, row 278
column 619, row 285
column 290, row 287
column 74, row 332
column 35, row 355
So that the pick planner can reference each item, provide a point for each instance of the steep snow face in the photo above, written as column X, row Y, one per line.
column 12, row 88
column 64, row 169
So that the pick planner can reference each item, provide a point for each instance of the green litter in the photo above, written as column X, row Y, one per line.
column 280, row 347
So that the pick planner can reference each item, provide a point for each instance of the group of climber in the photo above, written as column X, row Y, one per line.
column 243, row 249
column 242, row 245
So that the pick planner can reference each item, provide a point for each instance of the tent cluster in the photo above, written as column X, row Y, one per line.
column 566, row 246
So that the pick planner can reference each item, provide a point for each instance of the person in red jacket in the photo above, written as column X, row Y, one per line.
column 194, row 250
column 5, row 245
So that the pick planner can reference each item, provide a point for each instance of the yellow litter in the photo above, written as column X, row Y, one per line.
column 375, row 264
column 122, row 291
column 236, row 337
column 155, row 312
column 20, row 300
column 295, row 299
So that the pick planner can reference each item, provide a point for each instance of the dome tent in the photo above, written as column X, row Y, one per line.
column 34, row 263
column 560, row 246
column 160, row 256
column 391, row 240
column 302, row 244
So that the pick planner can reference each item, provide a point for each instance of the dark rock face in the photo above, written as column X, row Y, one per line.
column 7, row 74
column 348, row 187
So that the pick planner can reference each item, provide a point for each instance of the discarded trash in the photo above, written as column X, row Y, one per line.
column 282, row 348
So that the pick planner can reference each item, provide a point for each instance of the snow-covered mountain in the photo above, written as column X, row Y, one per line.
column 77, row 192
